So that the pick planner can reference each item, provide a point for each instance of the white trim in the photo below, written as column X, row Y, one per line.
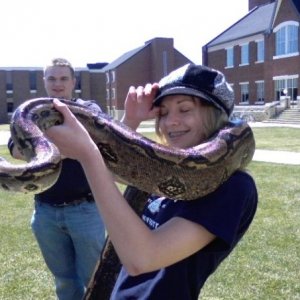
column 21, row 69
column 285, row 77
column 286, row 55
column 284, row 24
column 235, row 42
column 243, row 44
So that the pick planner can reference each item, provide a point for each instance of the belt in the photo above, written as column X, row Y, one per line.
column 87, row 198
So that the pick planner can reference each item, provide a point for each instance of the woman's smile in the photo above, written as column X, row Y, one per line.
column 181, row 121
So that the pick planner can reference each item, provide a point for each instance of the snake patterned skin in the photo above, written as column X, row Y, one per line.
column 154, row 168
column 179, row 174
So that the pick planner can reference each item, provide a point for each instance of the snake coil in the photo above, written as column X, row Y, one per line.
column 179, row 174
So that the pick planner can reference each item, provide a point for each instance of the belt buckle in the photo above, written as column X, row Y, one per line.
column 61, row 204
column 75, row 202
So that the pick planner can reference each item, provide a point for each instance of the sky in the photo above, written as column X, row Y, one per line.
column 32, row 32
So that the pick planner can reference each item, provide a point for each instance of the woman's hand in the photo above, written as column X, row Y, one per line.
column 71, row 138
column 138, row 105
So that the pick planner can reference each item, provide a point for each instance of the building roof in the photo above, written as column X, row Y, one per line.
column 123, row 58
column 258, row 20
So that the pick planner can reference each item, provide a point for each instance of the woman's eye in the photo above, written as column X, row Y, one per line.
column 186, row 109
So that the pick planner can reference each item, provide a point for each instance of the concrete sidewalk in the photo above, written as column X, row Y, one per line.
column 280, row 157
column 4, row 136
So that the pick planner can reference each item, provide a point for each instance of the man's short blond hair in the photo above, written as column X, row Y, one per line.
column 61, row 62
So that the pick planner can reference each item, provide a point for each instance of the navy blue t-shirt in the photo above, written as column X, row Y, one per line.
column 70, row 185
column 227, row 213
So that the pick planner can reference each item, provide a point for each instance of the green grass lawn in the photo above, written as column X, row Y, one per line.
column 277, row 138
column 265, row 265
column 273, row 138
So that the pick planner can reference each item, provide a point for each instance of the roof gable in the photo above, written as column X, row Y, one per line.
column 256, row 21
column 123, row 58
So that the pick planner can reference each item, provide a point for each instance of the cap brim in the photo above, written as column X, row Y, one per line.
column 186, row 91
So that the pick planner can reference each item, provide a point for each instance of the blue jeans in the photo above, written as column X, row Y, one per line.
column 71, row 239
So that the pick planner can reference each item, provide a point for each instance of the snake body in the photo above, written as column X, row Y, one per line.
column 152, row 167
column 146, row 166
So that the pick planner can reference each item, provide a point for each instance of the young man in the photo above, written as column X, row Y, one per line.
column 66, row 222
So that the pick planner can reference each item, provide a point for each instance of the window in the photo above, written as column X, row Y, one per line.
column 9, row 92
column 292, row 88
column 229, row 57
column 286, row 86
column 245, row 54
column 113, row 93
column 286, row 36
column 279, row 88
column 32, row 80
column 9, row 81
column 78, row 92
column 165, row 63
column 260, row 91
column 107, row 77
column 32, row 83
column 112, row 76
column 244, row 93
column 10, row 101
column 78, row 80
column 260, row 51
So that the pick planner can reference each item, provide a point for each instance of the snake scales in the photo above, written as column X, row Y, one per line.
column 175, row 173
column 154, row 168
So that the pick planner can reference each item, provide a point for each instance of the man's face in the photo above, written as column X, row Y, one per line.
column 59, row 82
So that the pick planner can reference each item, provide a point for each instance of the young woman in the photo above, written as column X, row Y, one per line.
column 169, row 252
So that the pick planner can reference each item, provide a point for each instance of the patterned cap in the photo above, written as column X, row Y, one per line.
column 200, row 81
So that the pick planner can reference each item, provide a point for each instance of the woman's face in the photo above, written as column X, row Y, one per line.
column 181, row 121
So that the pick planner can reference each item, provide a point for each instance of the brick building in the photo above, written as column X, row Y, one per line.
column 108, row 84
column 148, row 63
column 20, row 84
column 259, row 54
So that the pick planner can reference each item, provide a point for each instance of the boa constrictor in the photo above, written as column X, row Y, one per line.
column 146, row 166
column 175, row 173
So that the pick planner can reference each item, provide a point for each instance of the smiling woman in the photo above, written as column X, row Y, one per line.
column 168, row 238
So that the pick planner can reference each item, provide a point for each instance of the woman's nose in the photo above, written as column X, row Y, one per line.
column 172, row 119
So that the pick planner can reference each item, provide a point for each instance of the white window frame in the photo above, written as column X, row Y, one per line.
column 244, row 54
column 113, row 93
column 283, row 36
column 244, row 87
column 229, row 57
column 288, row 83
column 107, row 77
column 260, row 92
column 113, row 76
column 260, row 51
